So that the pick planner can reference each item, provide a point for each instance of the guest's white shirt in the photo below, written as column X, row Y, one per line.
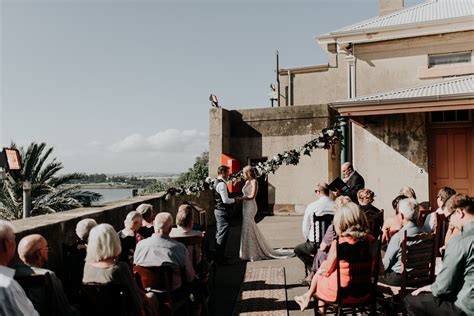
column 322, row 206
column 221, row 188
column 12, row 297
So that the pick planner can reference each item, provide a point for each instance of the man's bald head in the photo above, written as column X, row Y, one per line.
column 163, row 223
column 33, row 250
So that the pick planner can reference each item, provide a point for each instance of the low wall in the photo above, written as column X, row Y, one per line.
column 59, row 228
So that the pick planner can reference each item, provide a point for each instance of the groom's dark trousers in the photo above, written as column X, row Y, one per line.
column 222, row 230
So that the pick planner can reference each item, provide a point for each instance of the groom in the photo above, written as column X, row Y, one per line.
column 223, row 209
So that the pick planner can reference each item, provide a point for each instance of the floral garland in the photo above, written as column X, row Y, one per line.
column 324, row 140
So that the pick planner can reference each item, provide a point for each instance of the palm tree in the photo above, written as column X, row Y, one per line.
column 49, row 192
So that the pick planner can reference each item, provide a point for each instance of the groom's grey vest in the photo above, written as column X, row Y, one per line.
column 219, row 204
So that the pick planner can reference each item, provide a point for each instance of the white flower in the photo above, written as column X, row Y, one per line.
column 330, row 132
column 208, row 180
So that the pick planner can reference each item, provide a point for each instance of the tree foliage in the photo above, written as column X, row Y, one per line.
column 199, row 171
column 50, row 192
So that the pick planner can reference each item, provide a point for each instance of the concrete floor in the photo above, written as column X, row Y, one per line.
column 280, row 232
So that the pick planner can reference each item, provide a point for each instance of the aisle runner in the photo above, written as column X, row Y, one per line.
column 262, row 293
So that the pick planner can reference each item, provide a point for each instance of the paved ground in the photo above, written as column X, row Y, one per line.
column 280, row 231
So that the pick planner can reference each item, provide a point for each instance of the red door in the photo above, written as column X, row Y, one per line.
column 451, row 160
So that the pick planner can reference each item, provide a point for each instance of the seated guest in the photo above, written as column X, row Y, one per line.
column 184, row 221
column 366, row 198
column 74, row 258
column 322, row 206
column 147, row 223
column 452, row 293
column 330, row 235
column 408, row 192
column 392, row 260
column 14, row 301
column 129, row 236
column 392, row 224
column 33, row 252
column 160, row 249
column 351, row 226
column 452, row 230
column 443, row 195
column 102, row 266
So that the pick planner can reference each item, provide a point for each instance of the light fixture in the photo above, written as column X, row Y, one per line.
column 214, row 101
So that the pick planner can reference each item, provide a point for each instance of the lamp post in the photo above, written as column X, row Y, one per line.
column 26, row 198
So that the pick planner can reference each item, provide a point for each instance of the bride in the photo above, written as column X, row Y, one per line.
column 253, row 245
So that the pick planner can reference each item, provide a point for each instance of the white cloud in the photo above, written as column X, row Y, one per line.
column 167, row 141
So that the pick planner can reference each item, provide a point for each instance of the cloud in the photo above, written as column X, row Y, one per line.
column 167, row 141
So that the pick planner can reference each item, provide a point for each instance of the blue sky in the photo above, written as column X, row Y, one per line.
column 123, row 86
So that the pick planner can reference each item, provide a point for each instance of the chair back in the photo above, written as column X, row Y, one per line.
column 157, row 278
column 105, row 299
column 195, row 245
column 38, row 289
column 322, row 222
column 375, row 221
column 418, row 260
column 363, row 259
column 422, row 213
column 441, row 224
column 200, row 217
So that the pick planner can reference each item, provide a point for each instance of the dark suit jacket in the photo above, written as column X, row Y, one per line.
column 354, row 184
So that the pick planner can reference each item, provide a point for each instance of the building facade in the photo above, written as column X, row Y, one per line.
column 403, row 82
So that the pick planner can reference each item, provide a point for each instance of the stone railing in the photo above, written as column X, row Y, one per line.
column 59, row 228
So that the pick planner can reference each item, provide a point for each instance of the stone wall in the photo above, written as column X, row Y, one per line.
column 263, row 133
column 59, row 228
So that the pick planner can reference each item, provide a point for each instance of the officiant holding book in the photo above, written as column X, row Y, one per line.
column 351, row 182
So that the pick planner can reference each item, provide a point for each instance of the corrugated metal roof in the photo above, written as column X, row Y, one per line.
column 457, row 86
column 428, row 11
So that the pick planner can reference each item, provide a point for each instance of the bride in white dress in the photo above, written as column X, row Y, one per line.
column 253, row 245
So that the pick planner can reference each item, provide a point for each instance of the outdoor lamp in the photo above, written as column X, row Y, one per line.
column 214, row 101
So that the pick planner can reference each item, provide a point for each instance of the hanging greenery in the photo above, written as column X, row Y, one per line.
column 324, row 140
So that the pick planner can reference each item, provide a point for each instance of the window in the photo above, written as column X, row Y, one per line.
column 447, row 59
column 450, row 116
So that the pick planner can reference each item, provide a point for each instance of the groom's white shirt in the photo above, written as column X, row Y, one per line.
column 322, row 206
column 221, row 188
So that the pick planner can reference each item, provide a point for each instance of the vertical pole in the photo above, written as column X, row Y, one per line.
column 343, row 123
column 278, row 75
column 26, row 199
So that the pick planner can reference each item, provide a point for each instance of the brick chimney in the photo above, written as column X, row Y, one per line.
column 389, row 6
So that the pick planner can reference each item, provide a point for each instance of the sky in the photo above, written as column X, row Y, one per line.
column 121, row 86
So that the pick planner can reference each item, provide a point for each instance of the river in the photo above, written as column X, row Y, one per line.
column 109, row 195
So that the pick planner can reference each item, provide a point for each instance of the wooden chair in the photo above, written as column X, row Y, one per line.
column 363, row 258
column 376, row 223
column 158, row 280
column 441, row 224
column 418, row 267
column 196, row 247
column 99, row 299
column 322, row 222
column 38, row 289
column 200, row 217
column 422, row 213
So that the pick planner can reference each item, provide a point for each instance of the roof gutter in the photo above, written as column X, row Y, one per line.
column 346, row 103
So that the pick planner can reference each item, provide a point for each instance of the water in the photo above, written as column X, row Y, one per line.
column 109, row 195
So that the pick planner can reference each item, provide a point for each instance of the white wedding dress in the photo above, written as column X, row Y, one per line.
column 253, row 245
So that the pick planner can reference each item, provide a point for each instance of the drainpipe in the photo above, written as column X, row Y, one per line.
column 343, row 123
column 290, row 94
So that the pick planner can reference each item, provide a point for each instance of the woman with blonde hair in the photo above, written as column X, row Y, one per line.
column 103, row 267
column 253, row 245
column 351, row 226
column 129, row 236
column 366, row 197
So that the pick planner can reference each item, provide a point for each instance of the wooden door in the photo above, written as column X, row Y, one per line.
column 451, row 160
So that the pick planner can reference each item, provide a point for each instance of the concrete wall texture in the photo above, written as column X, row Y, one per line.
column 266, row 132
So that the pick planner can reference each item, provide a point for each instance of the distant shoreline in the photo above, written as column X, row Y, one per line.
column 106, row 186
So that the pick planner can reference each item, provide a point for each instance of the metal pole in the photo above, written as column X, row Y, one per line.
column 278, row 75
column 26, row 199
column 343, row 123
